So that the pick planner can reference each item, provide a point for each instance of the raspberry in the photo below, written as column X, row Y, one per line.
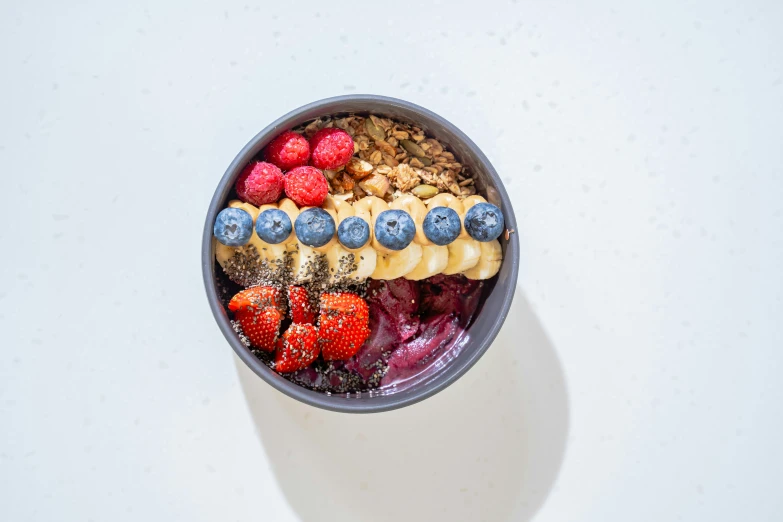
column 260, row 183
column 287, row 151
column 306, row 186
column 331, row 148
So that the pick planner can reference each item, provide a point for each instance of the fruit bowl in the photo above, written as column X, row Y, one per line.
column 496, row 293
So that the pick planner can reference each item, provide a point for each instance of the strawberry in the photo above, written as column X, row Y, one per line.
column 300, row 306
column 344, row 303
column 261, row 326
column 256, row 297
column 342, row 325
column 340, row 337
column 297, row 348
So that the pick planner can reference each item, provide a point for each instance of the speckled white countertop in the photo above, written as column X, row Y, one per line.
column 638, row 375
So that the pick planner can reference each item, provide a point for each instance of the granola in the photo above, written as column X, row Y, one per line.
column 392, row 158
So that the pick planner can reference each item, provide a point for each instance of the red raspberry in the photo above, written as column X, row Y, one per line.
column 260, row 183
column 306, row 186
column 332, row 148
column 288, row 150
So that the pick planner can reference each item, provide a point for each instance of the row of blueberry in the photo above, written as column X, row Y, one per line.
column 394, row 229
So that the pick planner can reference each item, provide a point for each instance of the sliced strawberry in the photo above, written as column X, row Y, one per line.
column 299, row 304
column 256, row 297
column 297, row 348
column 344, row 303
column 342, row 326
column 340, row 336
column 261, row 326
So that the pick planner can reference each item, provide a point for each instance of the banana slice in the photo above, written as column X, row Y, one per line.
column 397, row 264
column 451, row 201
column 489, row 262
column 247, row 207
column 464, row 254
column 389, row 264
column 223, row 253
column 345, row 263
column 366, row 260
column 433, row 260
column 418, row 211
column 303, row 259
column 290, row 208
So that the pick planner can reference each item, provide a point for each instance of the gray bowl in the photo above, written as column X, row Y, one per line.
column 497, row 296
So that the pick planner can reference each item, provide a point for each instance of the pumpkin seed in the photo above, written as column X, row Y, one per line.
column 412, row 148
column 373, row 130
column 424, row 191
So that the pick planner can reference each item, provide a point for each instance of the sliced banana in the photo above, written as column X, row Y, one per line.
column 418, row 211
column 247, row 207
column 346, row 263
column 303, row 260
column 290, row 208
column 434, row 260
column 223, row 253
column 463, row 255
column 366, row 259
column 389, row 264
column 451, row 201
column 397, row 264
column 489, row 262
column 420, row 260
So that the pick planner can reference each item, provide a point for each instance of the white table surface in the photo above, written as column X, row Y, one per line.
column 637, row 379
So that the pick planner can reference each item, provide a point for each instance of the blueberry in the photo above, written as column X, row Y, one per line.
column 273, row 226
column 442, row 225
column 353, row 232
column 394, row 229
column 233, row 227
column 314, row 227
column 484, row 222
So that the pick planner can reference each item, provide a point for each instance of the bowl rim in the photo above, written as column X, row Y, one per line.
column 441, row 380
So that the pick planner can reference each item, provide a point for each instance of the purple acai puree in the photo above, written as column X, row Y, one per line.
column 412, row 324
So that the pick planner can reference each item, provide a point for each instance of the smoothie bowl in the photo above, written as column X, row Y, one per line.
column 359, row 254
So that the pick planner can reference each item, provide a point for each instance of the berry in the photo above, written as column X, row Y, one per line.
column 332, row 148
column 306, row 186
column 342, row 325
column 300, row 306
column 273, row 226
column 353, row 232
column 394, row 229
column 287, row 151
column 260, row 326
column 257, row 297
column 297, row 348
column 333, row 303
column 260, row 184
column 442, row 225
column 314, row 227
column 339, row 338
column 484, row 222
column 233, row 227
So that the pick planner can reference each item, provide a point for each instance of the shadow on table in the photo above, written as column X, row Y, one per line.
column 488, row 446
